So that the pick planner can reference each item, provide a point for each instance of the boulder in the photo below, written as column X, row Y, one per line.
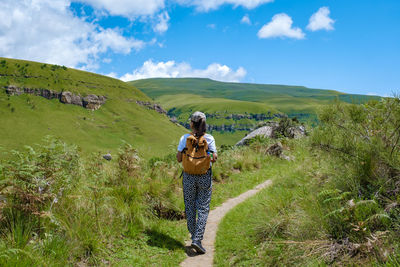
column 107, row 157
column 69, row 98
column 159, row 109
column 66, row 97
column 76, row 100
column 265, row 131
column 296, row 131
column 14, row 90
column 93, row 102
column 275, row 150
column 49, row 94
column 274, row 130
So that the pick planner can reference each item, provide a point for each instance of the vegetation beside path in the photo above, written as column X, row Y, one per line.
column 336, row 204
column 59, row 208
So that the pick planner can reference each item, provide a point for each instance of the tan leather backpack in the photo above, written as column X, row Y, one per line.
column 195, row 159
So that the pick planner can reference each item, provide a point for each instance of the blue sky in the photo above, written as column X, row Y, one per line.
column 350, row 46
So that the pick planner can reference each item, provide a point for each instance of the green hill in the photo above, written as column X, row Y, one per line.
column 25, row 119
column 238, row 107
column 284, row 98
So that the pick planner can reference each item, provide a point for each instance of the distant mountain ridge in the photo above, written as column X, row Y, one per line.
column 238, row 107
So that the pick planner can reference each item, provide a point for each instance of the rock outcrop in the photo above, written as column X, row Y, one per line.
column 153, row 106
column 91, row 102
column 274, row 130
column 265, row 131
column 69, row 98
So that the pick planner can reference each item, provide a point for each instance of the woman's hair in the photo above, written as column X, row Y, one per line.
column 199, row 127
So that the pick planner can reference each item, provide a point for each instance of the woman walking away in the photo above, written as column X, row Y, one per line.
column 197, row 151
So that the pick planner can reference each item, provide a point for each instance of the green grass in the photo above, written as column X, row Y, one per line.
column 183, row 96
column 25, row 119
column 162, row 245
column 280, row 97
column 286, row 224
column 107, row 215
column 213, row 104
column 254, row 233
column 228, row 138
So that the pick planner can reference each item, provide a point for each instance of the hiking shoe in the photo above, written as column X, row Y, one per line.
column 198, row 247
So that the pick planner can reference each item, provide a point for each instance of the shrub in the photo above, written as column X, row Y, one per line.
column 32, row 181
column 128, row 161
column 365, row 139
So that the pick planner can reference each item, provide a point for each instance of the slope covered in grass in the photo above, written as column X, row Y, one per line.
column 235, row 108
column 283, row 98
column 25, row 119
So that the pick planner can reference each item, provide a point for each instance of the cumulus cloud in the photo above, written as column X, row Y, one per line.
column 112, row 75
column 47, row 31
column 280, row 26
column 127, row 8
column 245, row 20
column 207, row 5
column 320, row 20
column 134, row 8
column 162, row 25
column 172, row 69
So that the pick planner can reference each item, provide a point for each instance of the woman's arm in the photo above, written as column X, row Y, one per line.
column 179, row 156
column 214, row 157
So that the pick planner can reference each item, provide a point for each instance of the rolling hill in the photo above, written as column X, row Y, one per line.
column 235, row 108
column 32, row 105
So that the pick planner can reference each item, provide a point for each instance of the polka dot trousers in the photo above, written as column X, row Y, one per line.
column 197, row 196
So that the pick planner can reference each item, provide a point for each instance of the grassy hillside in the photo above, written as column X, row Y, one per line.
column 219, row 99
column 25, row 119
column 281, row 97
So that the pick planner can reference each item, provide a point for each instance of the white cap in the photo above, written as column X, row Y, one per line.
column 197, row 116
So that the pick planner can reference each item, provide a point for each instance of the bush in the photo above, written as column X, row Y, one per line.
column 366, row 181
column 32, row 181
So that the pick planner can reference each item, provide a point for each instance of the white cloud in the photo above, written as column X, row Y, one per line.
column 212, row 26
column 127, row 8
column 162, row 25
column 321, row 20
column 207, row 5
column 112, row 75
column 245, row 20
column 172, row 69
column 47, row 31
column 113, row 39
column 280, row 26
column 135, row 8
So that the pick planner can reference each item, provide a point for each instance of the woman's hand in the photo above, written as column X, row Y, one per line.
column 179, row 156
column 214, row 157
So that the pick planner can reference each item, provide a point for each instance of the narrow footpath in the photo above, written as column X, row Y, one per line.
column 214, row 218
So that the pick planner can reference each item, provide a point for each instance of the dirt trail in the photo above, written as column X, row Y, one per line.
column 214, row 218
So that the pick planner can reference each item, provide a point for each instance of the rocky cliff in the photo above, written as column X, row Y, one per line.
column 91, row 102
